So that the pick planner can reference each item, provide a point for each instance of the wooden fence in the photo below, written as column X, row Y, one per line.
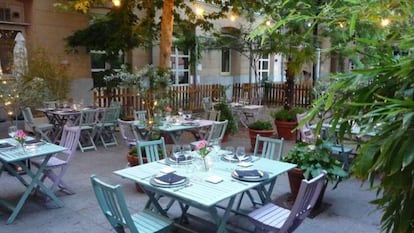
column 190, row 97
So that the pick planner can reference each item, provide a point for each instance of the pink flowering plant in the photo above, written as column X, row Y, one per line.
column 20, row 137
column 168, row 109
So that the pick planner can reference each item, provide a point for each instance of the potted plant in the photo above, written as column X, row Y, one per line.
column 227, row 114
column 262, row 127
column 310, row 160
column 285, row 121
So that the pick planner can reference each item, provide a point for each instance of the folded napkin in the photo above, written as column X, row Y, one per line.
column 170, row 178
column 5, row 145
column 248, row 173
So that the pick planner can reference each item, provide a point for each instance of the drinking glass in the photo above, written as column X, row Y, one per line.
column 240, row 153
column 186, row 149
column 216, row 146
column 12, row 131
column 175, row 154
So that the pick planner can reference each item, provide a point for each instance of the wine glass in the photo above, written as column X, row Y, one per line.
column 175, row 153
column 240, row 153
column 216, row 145
column 12, row 131
column 186, row 149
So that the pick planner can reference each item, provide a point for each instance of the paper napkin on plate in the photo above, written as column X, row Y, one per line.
column 248, row 173
column 170, row 178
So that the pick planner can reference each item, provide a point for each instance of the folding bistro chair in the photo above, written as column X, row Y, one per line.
column 128, row 132
column 70, row 139
column 140, row 116
column 151, row 148
column 87, row 124
column 112, row 202
column 106, row 126
column 216, row 132
column 273, row 218
column 44, row 130
column 207, row 103
column 272, row 148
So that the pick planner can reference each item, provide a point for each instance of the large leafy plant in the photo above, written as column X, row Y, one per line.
column 313, row 158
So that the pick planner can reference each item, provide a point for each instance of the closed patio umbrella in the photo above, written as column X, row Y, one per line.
column 20, row 64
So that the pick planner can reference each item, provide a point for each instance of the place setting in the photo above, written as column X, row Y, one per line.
column 169, row 180
column 249, row 175
column 180, row 154
column 237, row 156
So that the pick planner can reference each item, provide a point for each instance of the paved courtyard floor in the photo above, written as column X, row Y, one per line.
column 348, row 209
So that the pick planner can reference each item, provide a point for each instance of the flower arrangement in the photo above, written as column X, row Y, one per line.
column 168, row 109
column 20, row 137
column 203, row 151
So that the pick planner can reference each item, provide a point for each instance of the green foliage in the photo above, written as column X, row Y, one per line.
column 284, row 114
column 261, row 125
column 313, row 158
column 227, row 114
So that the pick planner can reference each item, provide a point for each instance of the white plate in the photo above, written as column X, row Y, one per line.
column 162, row 182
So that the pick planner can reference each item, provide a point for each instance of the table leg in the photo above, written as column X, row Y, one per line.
column 35, row 181
column 221, row 221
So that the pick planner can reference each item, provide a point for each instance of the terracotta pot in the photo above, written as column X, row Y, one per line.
column 295, row 178
column 285, row 128
column 225, row 138
column 253, row 133
column 132, row 160
column 167, row 138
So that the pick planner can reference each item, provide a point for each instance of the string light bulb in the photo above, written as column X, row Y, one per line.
column 116, row 3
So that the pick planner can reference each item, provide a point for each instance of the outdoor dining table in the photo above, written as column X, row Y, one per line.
column 206, row 190
column 175, row 129
column 11, row 153
column 59, row 117
column 246, row 113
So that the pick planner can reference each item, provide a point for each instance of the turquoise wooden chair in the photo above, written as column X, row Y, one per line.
column 152, row 150
column 112, row 202
column 42, row 130
column 215, row 134
column 106, row 126
column 87, row 124
column 272, row 148
column 273, row 218
column 140, row 116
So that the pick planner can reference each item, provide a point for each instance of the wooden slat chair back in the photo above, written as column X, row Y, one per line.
column 272, row 147
column 87, row 124
column 273, row 218
column 207, row 103
column 140, row 116
column 62, row 160
column 112, row 202
column 106, row 126
column 202, row 133
column 152, row 150
column 128, row 132
column 214, row 134
column 44, row 130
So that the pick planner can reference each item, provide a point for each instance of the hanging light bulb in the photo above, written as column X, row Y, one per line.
column 116, row 3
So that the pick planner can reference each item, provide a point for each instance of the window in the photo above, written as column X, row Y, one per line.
column 101, row 62
column 225, row 61
column 5, row 14
column 263, row 68
column 6, row 50
column 180, row 71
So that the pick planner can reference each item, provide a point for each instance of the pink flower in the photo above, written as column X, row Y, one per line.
column 201, row 144
column 202, row 148
column 20, row 136
column 168, row 109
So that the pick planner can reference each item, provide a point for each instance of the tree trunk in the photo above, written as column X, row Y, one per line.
column 290, row 82
column 166, row 33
